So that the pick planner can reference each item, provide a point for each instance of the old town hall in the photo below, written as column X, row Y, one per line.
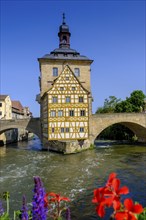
column 65, row 96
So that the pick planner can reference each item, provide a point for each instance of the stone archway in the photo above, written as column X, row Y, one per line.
column 134, row 121
column 32, row 124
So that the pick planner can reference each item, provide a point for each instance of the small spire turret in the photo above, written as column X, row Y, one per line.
column 64, row 34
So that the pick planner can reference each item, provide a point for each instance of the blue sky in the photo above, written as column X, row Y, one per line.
column 112, row 33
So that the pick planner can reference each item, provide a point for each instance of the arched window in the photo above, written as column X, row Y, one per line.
column 64, row 39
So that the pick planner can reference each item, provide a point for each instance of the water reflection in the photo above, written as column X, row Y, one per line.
column 2, row 151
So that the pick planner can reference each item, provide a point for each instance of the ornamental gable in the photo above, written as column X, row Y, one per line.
column 67, row 83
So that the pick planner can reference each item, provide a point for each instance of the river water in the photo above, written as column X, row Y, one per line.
column 74, row 176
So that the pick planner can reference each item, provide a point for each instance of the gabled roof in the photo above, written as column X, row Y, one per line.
column 3, row 97
column 55, row 81
column 17, row 105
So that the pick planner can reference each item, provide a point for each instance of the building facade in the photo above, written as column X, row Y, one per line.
column 65, row 94
column 10, row 109
column 5, row 107
column 20, row 112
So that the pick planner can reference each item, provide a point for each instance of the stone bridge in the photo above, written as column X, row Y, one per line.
column 136, row 122
column 98, row 122
column 31, row 124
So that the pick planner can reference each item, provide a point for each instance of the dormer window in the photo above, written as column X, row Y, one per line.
column 77, row 72
column 55, row 71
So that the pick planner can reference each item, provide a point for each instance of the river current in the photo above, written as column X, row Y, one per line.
column 74, row 176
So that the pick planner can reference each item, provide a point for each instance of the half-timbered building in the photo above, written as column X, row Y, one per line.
column 65, row 93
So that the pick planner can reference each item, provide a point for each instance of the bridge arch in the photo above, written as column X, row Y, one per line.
column 134, row 121
column 32, row 124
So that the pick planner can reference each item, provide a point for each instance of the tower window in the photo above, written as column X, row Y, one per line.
column 64, row 39
column 62, row 130
column 82, row 113
column 53, row 113
column 71, row 113
column 55, row 71
column 61, row 88
column 81, row 129
column 67, row 130
column 54, row 99
column 73, row 88
column 81, row 99
column 60, row 113
column 53, row 130
column 68, row 99
column 77, row 72
column 67, row 78
column 0, row 104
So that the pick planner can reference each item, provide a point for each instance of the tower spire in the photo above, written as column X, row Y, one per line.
column 63, row 21
column 64, row 34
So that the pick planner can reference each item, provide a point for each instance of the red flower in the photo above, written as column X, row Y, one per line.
column 46, row 199
column 130, row 210
column 110, row 179
column 58, row 198
column 114, row 189
column 101, row 201
column 110, row 196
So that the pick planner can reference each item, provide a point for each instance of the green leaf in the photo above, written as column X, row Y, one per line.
column 5, row 216
column 142, row 216
column 59, row 218
column 6, row 195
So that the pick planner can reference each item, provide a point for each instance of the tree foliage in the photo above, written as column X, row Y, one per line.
column 124, row 106
column 134, row 103
column 109, row 105
column 137, row 100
